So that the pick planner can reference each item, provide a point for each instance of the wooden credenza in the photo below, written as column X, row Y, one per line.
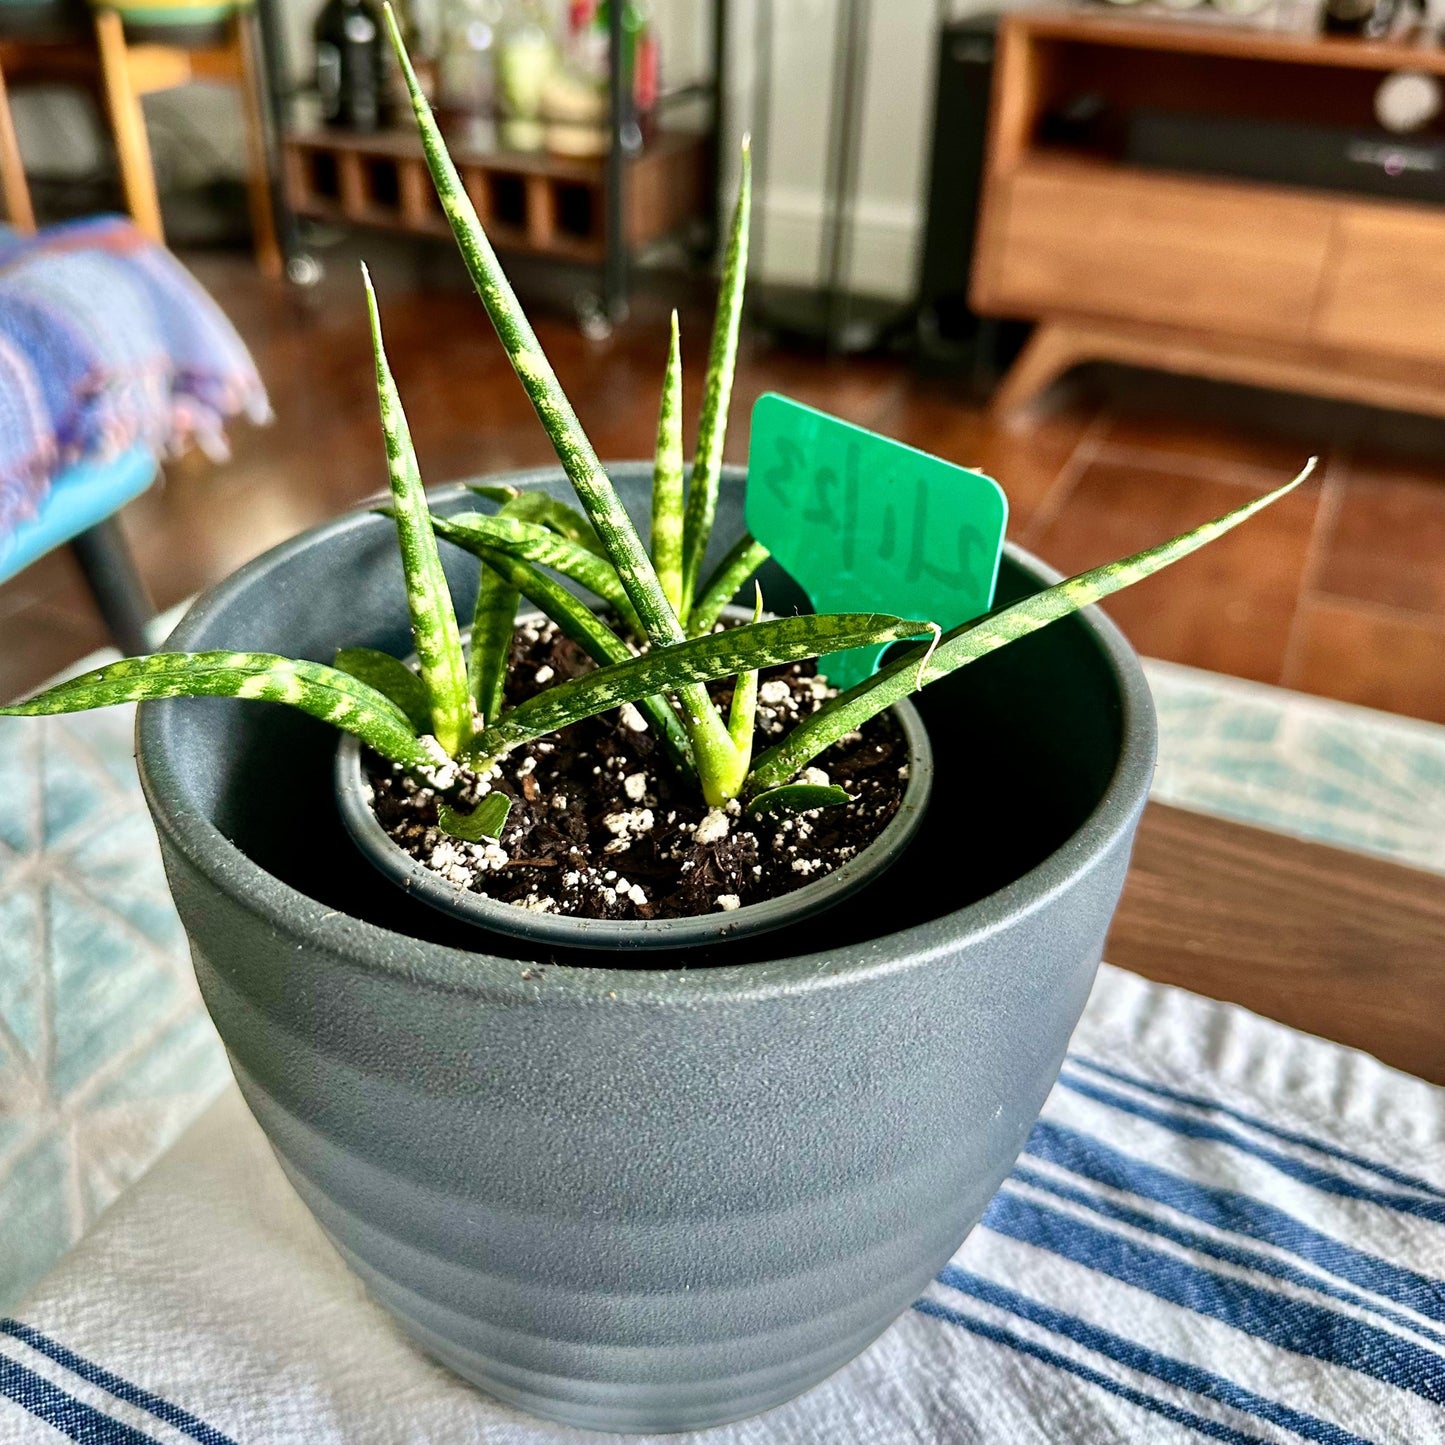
column 1318, row 291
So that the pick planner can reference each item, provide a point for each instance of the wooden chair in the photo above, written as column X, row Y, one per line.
column 120, row 73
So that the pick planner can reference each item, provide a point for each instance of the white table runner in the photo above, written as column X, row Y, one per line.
column 1220, row 1229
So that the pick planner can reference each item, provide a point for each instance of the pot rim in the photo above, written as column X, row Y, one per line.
column 639, row 934
column 371, row 948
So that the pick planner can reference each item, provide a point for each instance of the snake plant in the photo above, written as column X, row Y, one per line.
column 652, row 632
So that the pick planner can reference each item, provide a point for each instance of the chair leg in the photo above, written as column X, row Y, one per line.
column 251, row 79
column 16, row 191
column 137, row 173
column 120, row 594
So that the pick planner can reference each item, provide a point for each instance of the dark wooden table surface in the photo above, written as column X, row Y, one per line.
column 1332, row 942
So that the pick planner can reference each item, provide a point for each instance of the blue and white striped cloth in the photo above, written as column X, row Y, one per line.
column 1220, row 1230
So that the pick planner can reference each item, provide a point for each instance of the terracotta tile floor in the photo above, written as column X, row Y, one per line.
column 1341, row 590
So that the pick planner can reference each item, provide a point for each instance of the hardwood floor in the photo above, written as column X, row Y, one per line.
column 1340, row 590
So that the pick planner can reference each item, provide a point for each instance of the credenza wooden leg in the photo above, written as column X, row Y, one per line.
column 1049, row 353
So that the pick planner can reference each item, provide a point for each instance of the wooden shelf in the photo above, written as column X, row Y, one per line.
column 1336, row 293
column 528, row 200
column 1236, row 41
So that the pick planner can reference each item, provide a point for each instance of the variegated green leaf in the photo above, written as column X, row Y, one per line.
column 600, row 643
column 729, row 578
column 579, row 460
column 324, row 692
column 697, row 661
column 495, row 492
column 742, row 715
column 973, row 640
column 485, row 821
column 797, row 798
column 533, row 542
column 391, row 676
column 433, row 619
column 546, row 511
column 493, row 622
column 718, row 387
column 667, row 489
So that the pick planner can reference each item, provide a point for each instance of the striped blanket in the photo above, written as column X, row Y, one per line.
column 106, row 343
column 1220, row 1230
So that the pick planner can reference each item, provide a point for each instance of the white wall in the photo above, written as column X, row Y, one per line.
column 897, row 107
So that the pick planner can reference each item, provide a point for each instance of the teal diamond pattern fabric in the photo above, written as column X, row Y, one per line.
column 105, row 1051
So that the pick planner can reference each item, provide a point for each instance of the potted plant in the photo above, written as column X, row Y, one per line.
column 633, row 1190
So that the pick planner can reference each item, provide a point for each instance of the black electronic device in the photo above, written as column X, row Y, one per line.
column 1372, row 162
column 948, row 329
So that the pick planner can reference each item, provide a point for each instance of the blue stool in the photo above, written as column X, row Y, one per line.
column 80, row 509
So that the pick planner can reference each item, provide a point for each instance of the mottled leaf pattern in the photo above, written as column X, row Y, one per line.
column 495, row 491
column 493, row 622
column 324, row 692
column 533, row 542
column 391, row 676
column 485, row 821
column 717, row 387
column 973, row 640
column 546, row 511
column 729, row 578
column 433, row 620
column 667, row 488
column 720, row 654
column 742, row 715
column 600, row 643
column 594, row 490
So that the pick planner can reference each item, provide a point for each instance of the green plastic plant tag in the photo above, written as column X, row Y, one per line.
column 861, row 521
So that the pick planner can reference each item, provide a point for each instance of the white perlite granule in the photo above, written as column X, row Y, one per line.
column 544, row 674
column 713, row 829
column 775, row 691
column 635, row 786
column 728, row 901
column 816, row 776
column 631, row 718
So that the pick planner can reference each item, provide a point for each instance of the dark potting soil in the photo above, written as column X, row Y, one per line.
column 602, row 827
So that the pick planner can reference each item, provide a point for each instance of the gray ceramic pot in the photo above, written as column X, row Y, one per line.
column 663, row 1197
column 353, row 799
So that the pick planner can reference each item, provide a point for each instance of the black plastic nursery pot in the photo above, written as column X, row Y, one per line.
column 353, row 797
column 662, row 1190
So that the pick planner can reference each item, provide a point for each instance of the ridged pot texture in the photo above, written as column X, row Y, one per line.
column 664, row 1196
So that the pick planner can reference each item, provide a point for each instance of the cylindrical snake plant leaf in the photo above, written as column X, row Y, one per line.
column 697, row 661
column 594, row 489
column 391, row 676
column 717, row 387
column 532, row 542
column 729, row 578
column 428, row 599
column 667, row 492
column 546, row 511
column 325, row 692
column 973, row 640
column 742, row 714
column 493, row 623
column 598, row 641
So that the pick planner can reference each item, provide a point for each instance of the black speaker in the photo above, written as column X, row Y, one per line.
column 949, row 333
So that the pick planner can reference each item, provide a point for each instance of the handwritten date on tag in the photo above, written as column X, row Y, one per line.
column 863, row 522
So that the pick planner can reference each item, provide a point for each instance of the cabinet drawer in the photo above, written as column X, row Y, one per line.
column 1385, row 290
column 1107, row 241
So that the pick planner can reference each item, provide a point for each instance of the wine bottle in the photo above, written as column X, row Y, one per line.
column 351, row 65
column 1369, row 19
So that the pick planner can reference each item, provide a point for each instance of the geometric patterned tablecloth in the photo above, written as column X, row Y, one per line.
column 106, row 1053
